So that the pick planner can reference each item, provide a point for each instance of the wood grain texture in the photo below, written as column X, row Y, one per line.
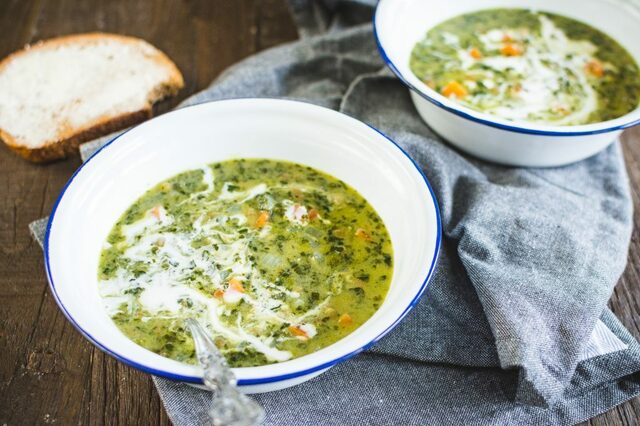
column 49, row 374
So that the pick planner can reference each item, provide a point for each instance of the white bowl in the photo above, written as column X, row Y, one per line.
column 400, row 24
column 99, row 192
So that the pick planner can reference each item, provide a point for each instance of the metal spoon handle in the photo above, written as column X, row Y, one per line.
column 229, row 406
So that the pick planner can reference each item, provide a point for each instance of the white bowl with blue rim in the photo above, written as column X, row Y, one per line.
column 101, row 190
column 400, row 24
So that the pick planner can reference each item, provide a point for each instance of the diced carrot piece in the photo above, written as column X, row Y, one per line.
column 362, row 234
column 236, row 284
column 297, row 331
column 453, row 88
column 345, row 320
column 218, row 294
column 595, row 68
column 313, row 214
column 262, row 219
column 155, row 212
column 511, row 49
column 475, row 53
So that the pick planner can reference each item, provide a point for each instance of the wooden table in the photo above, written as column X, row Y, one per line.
column 48, row 372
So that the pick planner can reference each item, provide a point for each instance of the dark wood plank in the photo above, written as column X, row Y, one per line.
column 49, row 373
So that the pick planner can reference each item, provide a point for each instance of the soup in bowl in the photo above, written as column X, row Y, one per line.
column 296, row 235
column 276, row 260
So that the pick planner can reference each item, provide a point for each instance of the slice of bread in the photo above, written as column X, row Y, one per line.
column 60, row 92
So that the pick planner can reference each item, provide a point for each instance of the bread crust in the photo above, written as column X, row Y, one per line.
column 68, row 141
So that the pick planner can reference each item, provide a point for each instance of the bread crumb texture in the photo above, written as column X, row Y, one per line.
column 67, row 90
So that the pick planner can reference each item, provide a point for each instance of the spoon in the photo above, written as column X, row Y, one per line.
column 229, row 406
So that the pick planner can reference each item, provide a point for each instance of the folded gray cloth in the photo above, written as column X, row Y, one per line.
column 514, row 327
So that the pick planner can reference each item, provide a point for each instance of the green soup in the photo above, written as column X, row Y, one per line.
column 518, row 64
column 275, row 259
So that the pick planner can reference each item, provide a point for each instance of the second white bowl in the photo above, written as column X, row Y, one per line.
column 400, row 24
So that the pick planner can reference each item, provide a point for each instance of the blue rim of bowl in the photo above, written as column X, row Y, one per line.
column 264, row 380
column 488, row 122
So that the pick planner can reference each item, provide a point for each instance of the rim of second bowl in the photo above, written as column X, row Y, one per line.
column 264, row 380
column 630, row 119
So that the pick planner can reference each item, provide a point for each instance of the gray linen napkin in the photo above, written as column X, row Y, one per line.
column 514, row 326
